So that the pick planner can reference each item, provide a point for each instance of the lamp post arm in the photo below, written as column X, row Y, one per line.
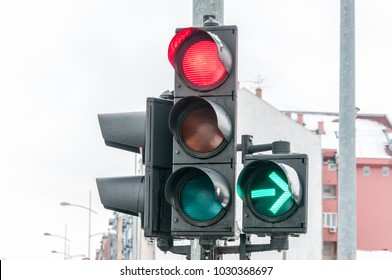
column 77, row 205
column 59, row 236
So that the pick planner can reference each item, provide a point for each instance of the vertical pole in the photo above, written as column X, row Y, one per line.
column 135, row 231
column 89, row 224
column 65, row 242
column 211, row 7
column 195, row 250
column 347, row 227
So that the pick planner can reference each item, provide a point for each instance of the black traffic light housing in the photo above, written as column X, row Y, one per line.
column 146, row 133
column 158, row 161
column 201, row 190
column 274, row 193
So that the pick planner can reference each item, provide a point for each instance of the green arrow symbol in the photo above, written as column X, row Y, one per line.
column 262, row 193
column 286, row 192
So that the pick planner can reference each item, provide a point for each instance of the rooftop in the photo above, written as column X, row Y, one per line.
column 373, row 132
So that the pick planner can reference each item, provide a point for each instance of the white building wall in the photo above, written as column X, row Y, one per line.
column 267, row 124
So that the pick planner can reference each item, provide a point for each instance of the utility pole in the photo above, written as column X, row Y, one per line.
column 89, row 225
column 347, row 226
column 65, row 243
column 210, row 7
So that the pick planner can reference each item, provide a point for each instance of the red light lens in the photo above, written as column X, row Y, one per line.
column 201, row 64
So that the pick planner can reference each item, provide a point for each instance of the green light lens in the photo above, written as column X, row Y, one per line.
column 198, row 199
column 269, row 191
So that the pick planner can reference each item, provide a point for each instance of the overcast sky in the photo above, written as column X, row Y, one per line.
column 63, row 62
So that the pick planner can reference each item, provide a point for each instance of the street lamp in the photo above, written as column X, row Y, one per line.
column 89, row 217
column 58, row 252
column 75, row 256
column 62, row 237
column 68, row 256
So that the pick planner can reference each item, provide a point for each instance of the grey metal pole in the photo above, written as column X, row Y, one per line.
column 135, row 244
column 89, row 217
column 195, row 250
column 207, row 7
column 89, row 225
column 347, row 226
column 65, row 242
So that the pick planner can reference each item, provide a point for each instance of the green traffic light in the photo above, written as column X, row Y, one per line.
column 269, row 192
column 273, row 189
column 198, row 199
column 267, row 188
column 285, row 195
column 262, row 193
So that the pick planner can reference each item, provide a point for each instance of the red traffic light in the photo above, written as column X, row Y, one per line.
column 201, row 59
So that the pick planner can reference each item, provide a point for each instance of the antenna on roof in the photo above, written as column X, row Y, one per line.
column 256, row 82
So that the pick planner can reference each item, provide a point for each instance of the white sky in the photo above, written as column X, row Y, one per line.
column 63, row 62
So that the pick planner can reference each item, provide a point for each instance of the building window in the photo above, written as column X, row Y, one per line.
column 332, row 166
column 329, row 191
column 330, row 220
column 385, row 171
column 366, row 170
column 329, row 250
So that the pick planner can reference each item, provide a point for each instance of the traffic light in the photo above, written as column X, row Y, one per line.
column 201, row 189
column 146, row 133
column 274, row 193
column 124, row 131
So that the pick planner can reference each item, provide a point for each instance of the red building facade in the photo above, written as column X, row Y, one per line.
column 374, row 179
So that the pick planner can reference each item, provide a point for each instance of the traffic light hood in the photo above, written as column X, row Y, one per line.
column 200, row 58
column 122, row 194
column 125, row 131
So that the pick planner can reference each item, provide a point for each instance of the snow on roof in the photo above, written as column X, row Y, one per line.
column 374, row 255
column 372, row 137
column 389, row 136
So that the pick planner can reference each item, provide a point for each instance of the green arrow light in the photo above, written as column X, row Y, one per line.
column 286, row 192
column 262, row 193
column 259, row 193
column 271, row 190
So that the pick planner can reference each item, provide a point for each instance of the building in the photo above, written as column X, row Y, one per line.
column 104, row 253
column 120, row 242
column 374, row 178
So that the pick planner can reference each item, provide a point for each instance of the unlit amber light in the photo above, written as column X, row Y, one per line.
column 200, row 131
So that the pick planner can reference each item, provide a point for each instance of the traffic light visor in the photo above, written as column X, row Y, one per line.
column 122, row 194
column 200, row 58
